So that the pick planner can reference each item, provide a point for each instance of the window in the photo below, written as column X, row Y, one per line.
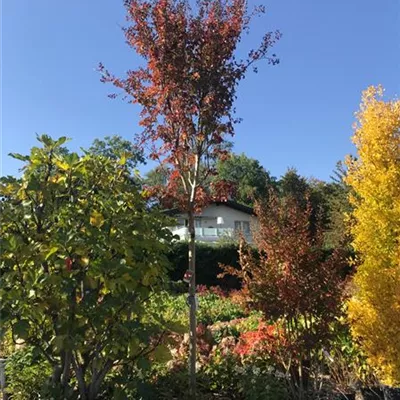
column 197, row 223
column 180, row 221
column 242, row 226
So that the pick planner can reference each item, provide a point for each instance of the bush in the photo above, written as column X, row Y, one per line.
column 26, row 374
column 347, row 364
column 222, row 371
column 173, row 309
column 225, row 376
column 76, row 278
column 229, row 376
column 208, row 258
column 126, row 383
column 7, row 346
column 213, row 308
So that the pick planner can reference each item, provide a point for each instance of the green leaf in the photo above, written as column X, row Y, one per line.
column 177, row 327
column 13, row 242
column 72, row 158
column 90, row 282
column 45, row 139
column 21, row 329
column 51, row 252
column 33, row 183
column 18, row 156
column 162, row 354
column 143, row 364
column 61, row 140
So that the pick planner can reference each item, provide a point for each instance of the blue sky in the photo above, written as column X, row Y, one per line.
column 297, row 114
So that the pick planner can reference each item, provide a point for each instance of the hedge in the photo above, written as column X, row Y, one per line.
column 208, row 258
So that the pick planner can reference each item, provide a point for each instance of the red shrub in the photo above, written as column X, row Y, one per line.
column 266, row 339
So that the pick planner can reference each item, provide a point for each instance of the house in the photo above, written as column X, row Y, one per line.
column 219, row 220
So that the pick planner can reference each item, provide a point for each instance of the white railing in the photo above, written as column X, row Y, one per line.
column 205, row 234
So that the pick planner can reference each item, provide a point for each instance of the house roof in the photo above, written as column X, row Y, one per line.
column 227, row 203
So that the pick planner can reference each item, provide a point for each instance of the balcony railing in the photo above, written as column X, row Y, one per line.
column 206, row 234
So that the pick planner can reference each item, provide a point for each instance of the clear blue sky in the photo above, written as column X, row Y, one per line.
column 298, row 113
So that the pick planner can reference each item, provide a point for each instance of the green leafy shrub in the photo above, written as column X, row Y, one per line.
column 81, row 253
column 213, row 308
column 223, row 375
column 222, row 372
column 347, row 365
column 263, row 386
column 173, row 309
column 7, row 346
column 26, row 374
column 125, row 383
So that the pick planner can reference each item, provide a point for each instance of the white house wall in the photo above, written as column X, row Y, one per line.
column 208, row 218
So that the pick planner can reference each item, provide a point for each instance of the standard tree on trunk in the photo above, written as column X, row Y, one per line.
column 186, row 90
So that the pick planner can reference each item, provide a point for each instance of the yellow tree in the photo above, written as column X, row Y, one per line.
column 374, row 309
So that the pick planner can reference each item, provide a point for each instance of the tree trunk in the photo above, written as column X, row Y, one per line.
column 97, row 380
column 66, row 373
column 80, row 377
column 192, row 303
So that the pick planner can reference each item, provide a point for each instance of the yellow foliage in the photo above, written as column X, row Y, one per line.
column 96, row 219
column 374, row 310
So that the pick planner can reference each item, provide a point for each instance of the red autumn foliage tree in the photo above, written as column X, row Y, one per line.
column 292, row 280
column 187, row 87
column 186, row 90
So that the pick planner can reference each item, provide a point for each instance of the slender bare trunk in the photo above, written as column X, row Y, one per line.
column 192, row 302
